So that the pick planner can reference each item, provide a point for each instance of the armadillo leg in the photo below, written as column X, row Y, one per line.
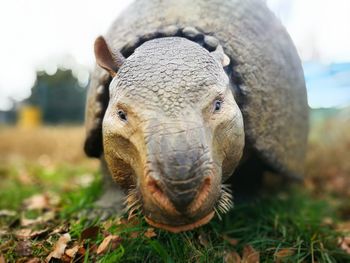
column 110, row 203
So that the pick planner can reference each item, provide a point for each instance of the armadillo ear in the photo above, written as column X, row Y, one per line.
column 106, row 58
column 220, row 56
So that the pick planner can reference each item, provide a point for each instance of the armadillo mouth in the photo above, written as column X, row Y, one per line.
column 181, row 228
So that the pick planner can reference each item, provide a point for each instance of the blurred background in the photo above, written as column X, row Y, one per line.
column 47, row 55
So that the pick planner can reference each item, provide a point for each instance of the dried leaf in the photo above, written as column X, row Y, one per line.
column 283, row 253
column 23, row 233
column 327, row 221
column 60, row 229
column 71, row 252
column 59, row 248
column 232, row 241
column 122, row 221
column 46, row 217
column 2, row 259
column 133, row 221
column 344, row 227
column 90, row 232
column 150, row 233
column 110, row 242
column 34, row 260
column 134, row 234
column 27, row 233
column 65, row 259
column 82, row 251
column 80, row 254
column 344, row 244
column 232, row 257
column 23, row 249
column 7, row 213
column 38, row 201
column 250, row 255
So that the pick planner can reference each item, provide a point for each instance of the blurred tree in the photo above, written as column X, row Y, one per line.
column 59, row 96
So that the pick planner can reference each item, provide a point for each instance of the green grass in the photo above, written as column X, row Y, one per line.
column 293, row 221
column 290, row 220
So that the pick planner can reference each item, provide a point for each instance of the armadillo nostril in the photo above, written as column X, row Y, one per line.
column 193, row 198
column 159, row 196
column 185, row 201
column 154, row 187
column 201, row 196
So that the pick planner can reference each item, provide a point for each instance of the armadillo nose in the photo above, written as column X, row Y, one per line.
column 190, row 200
column 180, row 197
column 159, row 196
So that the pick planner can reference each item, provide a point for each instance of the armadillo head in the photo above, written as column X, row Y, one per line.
column 172, row 132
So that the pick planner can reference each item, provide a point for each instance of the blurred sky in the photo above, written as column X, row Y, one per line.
column 39, row 34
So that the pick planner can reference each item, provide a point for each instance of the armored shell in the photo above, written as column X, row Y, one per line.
column 265, row 70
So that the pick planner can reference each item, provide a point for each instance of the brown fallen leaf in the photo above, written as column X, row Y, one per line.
column 27, row 233
column 281, row 254
column 133, row 221
column 23, row 249
column 232, row 241
column 344, row 244
column 82, row 251
column 125, row 223
column 134, row 234
column 90, row 232
column 2, row 259
column 232, row 257
column 344, row 227
column 23, row 233
column 59, row 247
column 65, row 259
column 110, row 242
column 71, row 252
column 46, row 217
column 250, row 255
column 79, row 256
column 34, row 260
column 122, row 221
column 60, row 229
column 203, row 240
column 327, row 221
column 38, row 201
column 150, row 233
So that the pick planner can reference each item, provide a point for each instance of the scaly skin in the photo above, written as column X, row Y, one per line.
column 168, row 146
column 266, row 93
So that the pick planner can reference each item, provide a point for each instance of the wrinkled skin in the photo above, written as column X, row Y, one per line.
column 172, row 131
column 166, row 101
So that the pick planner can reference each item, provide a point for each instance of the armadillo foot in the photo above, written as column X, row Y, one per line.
column 109, row 205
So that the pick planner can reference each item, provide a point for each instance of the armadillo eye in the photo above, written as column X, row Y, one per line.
column 122, row 115
column 217, row 105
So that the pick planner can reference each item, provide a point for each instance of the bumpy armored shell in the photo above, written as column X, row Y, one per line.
column 265, row 69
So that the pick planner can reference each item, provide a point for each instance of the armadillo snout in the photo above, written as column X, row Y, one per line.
column 184, row 197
